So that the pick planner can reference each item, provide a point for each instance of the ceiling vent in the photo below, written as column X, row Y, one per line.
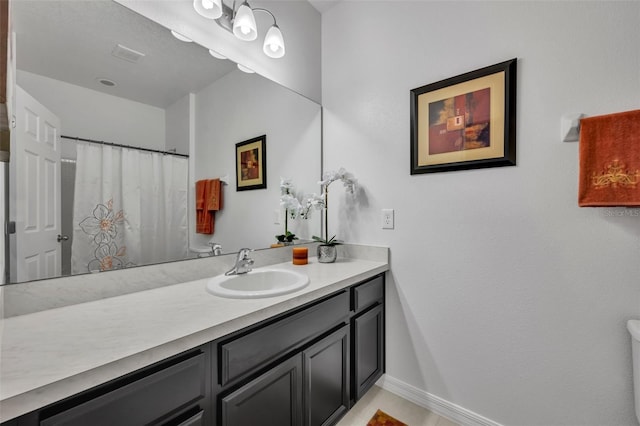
column 127, row 54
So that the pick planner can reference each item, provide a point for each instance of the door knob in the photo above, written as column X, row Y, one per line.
column 63, row 237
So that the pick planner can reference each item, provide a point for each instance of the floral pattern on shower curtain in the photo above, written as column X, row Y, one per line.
column 103, row 226
column 130, row 208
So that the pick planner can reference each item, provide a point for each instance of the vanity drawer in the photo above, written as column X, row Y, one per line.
column 142, row 401
column 249, row 352
column 368, row 293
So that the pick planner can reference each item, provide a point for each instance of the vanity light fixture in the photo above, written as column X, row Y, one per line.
column 181, row 37
column 242, row 23
column 210, row 9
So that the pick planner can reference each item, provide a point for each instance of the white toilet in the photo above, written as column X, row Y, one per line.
column 634, row 328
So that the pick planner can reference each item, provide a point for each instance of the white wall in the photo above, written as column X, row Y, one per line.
column 239, row 107
column 504, row 298
column 299, row 22
column 177, row 117
column 89, row 114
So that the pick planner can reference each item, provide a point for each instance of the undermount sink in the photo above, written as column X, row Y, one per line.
column 257, row 283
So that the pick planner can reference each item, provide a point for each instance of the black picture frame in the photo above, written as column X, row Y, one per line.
column 251, row 164
column 465, row 122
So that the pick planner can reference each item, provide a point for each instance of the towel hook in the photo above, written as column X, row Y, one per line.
column 570, row 127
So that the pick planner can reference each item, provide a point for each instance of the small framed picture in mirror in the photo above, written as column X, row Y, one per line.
column 251, row 164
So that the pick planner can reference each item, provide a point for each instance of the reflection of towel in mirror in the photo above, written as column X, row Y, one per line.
column 208, row 201
column 610, row 160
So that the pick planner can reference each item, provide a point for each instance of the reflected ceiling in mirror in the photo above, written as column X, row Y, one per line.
column 168, row 95
column 82, row 42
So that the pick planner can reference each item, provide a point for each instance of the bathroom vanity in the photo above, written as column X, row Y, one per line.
column 297, row 359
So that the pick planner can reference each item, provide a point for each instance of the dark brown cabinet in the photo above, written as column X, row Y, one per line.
column 326, row 379
column 275, row 398
column 305, row 367
column 368, row 345
column 173, row 392
column 311, row 388
column 367, row 327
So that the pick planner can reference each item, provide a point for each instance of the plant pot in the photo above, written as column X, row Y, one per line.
column 327, row 253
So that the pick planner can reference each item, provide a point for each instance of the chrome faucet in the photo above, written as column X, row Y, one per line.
column 243, row 263
column 216, row 249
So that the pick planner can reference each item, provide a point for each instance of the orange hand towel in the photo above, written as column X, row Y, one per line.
column 206, row 206
column 610, row 160
column 202, row 223
column 213, row 195
column 200, row 189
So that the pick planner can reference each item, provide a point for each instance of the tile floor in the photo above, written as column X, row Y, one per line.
column 403, row 410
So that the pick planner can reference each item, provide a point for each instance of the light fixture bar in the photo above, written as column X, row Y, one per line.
column 242, row 24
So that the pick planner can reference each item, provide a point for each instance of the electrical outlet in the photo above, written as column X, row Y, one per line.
column 387, row 218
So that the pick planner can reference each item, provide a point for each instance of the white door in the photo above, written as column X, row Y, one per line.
column 35, row 191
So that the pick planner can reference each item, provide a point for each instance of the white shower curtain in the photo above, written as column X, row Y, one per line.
column 130, row 208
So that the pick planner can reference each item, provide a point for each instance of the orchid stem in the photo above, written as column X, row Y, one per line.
column 326, row 213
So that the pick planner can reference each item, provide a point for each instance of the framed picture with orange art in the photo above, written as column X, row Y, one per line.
column 251, row 164
column 465, row 122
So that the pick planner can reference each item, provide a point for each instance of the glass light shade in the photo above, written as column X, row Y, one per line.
column 273, row 43
column 244, row 24
column 181, row 37
column 210, row 9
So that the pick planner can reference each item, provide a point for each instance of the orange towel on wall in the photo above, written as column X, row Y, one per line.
column 610, row 160
column 200, row 187
column 213, row 195
column 208, row 201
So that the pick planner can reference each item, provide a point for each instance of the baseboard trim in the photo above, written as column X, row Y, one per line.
column 434, row 403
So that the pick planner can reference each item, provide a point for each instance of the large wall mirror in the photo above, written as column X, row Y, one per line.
column 95, row 75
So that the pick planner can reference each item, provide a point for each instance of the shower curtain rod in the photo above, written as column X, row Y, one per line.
column 123, row 146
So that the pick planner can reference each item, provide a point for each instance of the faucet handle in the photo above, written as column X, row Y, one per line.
column 216, row 248
column 244, row 253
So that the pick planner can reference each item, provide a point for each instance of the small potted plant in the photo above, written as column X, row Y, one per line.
column 327, row 251
column 288, row 201
column 286, row 238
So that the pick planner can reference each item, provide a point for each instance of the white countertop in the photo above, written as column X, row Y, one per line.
column 53, row 354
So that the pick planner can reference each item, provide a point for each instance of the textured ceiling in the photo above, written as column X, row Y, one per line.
column 72, row 41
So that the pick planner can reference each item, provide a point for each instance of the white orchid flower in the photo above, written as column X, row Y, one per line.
column 286, row 185
column 288, row 200
column 348, row 180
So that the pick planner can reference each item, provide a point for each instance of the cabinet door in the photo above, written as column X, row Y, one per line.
column 195, row 420
column 368, row 336
column 143, row 401
column 274, row 398
column 326, row 379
